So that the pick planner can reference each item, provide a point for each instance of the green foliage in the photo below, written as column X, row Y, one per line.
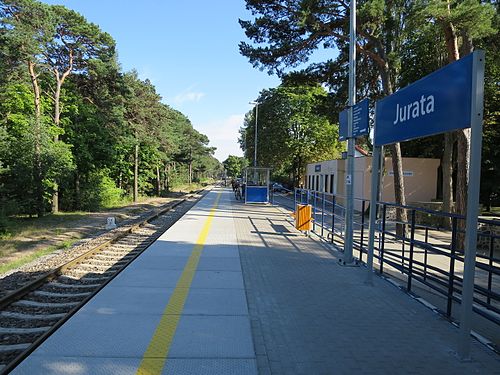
column 100, row 191
column 235, row 165
column 292, row 130
column 398, row 42
column 82, row 131
column 490, row 171
column 469, row 17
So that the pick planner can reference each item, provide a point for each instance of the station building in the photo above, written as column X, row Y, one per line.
column 420, row 177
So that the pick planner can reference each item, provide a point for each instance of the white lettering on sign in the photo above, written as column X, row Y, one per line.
column 418, row 108
column 405, row 173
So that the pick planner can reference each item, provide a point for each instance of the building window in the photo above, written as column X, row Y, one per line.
column 317, row 183
column 332, row 178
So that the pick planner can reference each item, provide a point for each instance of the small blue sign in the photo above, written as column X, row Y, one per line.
column 257, row 194
column 437, row 103
column 360, row 118
column 317, row 168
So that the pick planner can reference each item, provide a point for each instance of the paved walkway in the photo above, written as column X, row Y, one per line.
column 311, row 316
column 235, row 289
column 179, row 308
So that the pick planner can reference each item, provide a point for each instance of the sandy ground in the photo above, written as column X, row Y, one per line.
column 82, row 226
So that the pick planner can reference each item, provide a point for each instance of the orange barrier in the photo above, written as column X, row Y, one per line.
column 303, row 217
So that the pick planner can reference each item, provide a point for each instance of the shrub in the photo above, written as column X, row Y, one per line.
column 100, row 191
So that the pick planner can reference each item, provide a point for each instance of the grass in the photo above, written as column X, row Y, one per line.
column 24, row 237
column 187, row 188
column 48, row 226
column 24, row 225
column 35, row 255
column 494, row 211
column 23, row 234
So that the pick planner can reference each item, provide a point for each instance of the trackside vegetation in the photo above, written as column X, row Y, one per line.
column 398, row 42
column 77, row 132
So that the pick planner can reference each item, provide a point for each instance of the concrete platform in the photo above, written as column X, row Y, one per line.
column 261, row 298
column 111, row 334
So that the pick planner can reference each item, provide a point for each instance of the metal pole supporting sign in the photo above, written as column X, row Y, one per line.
column 476, row 122
column 448, row 99
column 374, row 193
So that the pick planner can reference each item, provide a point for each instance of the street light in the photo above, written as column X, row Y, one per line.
column 256, row 104
column 349, row 218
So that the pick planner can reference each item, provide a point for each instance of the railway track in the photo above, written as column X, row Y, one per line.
column 30, row 314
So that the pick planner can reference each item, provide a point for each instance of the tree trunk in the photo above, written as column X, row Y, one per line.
column 463, row 154
column 38, row 141
column 77, row 191
column 166, row 171
column 463, row 136
column 451, row 41
column 447, row 168
column 158, row 181
column 399, row 188
column 136, row 173
column 57, row 121
column 397, row 161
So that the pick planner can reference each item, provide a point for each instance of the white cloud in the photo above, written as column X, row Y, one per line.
column 223, row 134
column 188, row 95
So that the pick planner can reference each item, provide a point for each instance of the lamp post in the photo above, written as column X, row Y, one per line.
column 256, row 104
column 348, row 243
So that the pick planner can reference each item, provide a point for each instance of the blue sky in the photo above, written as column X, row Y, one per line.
column 189, row 50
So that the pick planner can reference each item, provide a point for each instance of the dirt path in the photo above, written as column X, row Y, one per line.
column 60, row 230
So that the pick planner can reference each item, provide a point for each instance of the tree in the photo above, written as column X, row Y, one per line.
column 461, row 22
column 234, row 165
column 490, row 173
column 141, row 107
column 291, row 31
column 51, row 39
column 26, row 28
column 292, row 130
column 64, row 101
column 75, row 42
column 92, row 108
column 194, row 145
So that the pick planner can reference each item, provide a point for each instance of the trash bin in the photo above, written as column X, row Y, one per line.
column 303, row 217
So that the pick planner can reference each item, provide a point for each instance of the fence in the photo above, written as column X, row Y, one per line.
column 430, row 254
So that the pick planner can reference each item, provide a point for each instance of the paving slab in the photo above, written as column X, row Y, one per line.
column 309, row 315
column 212, row 335
column 264, row 299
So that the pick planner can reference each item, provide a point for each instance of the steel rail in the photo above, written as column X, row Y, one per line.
column 51, row 275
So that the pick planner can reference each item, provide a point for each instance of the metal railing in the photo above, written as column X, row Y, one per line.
column 423, row 249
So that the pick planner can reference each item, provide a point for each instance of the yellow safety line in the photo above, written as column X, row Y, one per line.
column 155, row 357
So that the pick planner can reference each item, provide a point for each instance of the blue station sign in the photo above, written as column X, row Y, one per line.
column 360, row 118
column 437, row 103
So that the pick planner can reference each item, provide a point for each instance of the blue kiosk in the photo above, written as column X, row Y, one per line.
column 257, row 182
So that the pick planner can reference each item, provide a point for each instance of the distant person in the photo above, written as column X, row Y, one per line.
column 237, row 190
